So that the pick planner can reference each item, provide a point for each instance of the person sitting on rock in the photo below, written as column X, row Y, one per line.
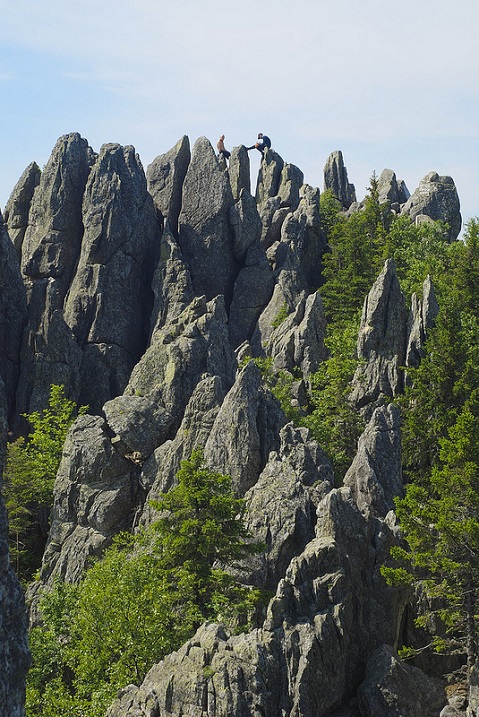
column 221, row 147
column 261, row 144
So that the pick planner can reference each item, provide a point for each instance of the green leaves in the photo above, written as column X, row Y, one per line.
column 145, row 597
column 30, row 471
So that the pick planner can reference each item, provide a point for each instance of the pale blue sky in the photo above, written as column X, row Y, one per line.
column 391, row 84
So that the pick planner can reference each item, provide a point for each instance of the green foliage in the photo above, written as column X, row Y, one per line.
column 333, row 421
column 281, row 316
column 439, row 514
column 280, row 383
column 144, row 598
column 329, row 209
column 30, row 471
column 440, row 521
column 356, row 256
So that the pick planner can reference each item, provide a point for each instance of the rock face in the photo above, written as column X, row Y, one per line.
column 381, row 342
column 165, row 176
column 13, row 318
column 391, row 190
column 148, row 298
column 436, row 197
column 394, row 688
column 14, row 653
column 205, row 236
column 336, row 179
column 321, row 625
column 18, row 206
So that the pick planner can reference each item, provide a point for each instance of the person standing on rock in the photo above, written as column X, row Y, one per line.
column 261, row 144
column 221, row 147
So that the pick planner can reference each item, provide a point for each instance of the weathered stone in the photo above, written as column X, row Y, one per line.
column 422, row 317
column 381, row 342
column 158, row 474
column 336, row 179
column 392, row 191
column 110, row 296
column 375, row 476
column 94, row 498
column 239, row 171
column 281, row 506
column 269, row 177
column 171, row 283
column 331, row 610
column 13, row 317
column 245, row 430
column 302, row 242
column 139, row 423
column 14, row 653
column 246, row 224
column 299, row 340
column 51, row 245
column 17, row 209
column 291, row 182
column 392, row 688
column 165, row 176
column 205, row 236
column 252, row 291
column 192, row 346
column 436, row 197
column 296, row 264
column 50, row 354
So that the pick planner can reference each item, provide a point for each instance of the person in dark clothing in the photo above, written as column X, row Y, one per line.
column 221, row 147
column 263, row 141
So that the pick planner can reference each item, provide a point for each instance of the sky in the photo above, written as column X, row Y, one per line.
column 390, row 84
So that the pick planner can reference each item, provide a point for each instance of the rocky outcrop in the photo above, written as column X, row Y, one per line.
column 296, row 260
column 94, row 498
column 140, row 295
column 18, row 206
column 322, row 624
column 375, row 476
column 436, row 197
column 393, row 688
column 171, row 283
column 422, row 317
column 13, row 318
column 239, row 171
column 281, row 506
column 119, row 251
column 205, row 235
column 54, row 234
column 245, row 430
column 391, row 190
column 299, row 339
column 381, row 342
column 336, row 179
column 165, row 176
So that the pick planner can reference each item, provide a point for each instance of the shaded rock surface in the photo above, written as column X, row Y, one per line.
column 18, row 206
column 14, row 652
column 393, row 688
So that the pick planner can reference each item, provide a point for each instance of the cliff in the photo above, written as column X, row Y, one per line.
column 144, row 295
